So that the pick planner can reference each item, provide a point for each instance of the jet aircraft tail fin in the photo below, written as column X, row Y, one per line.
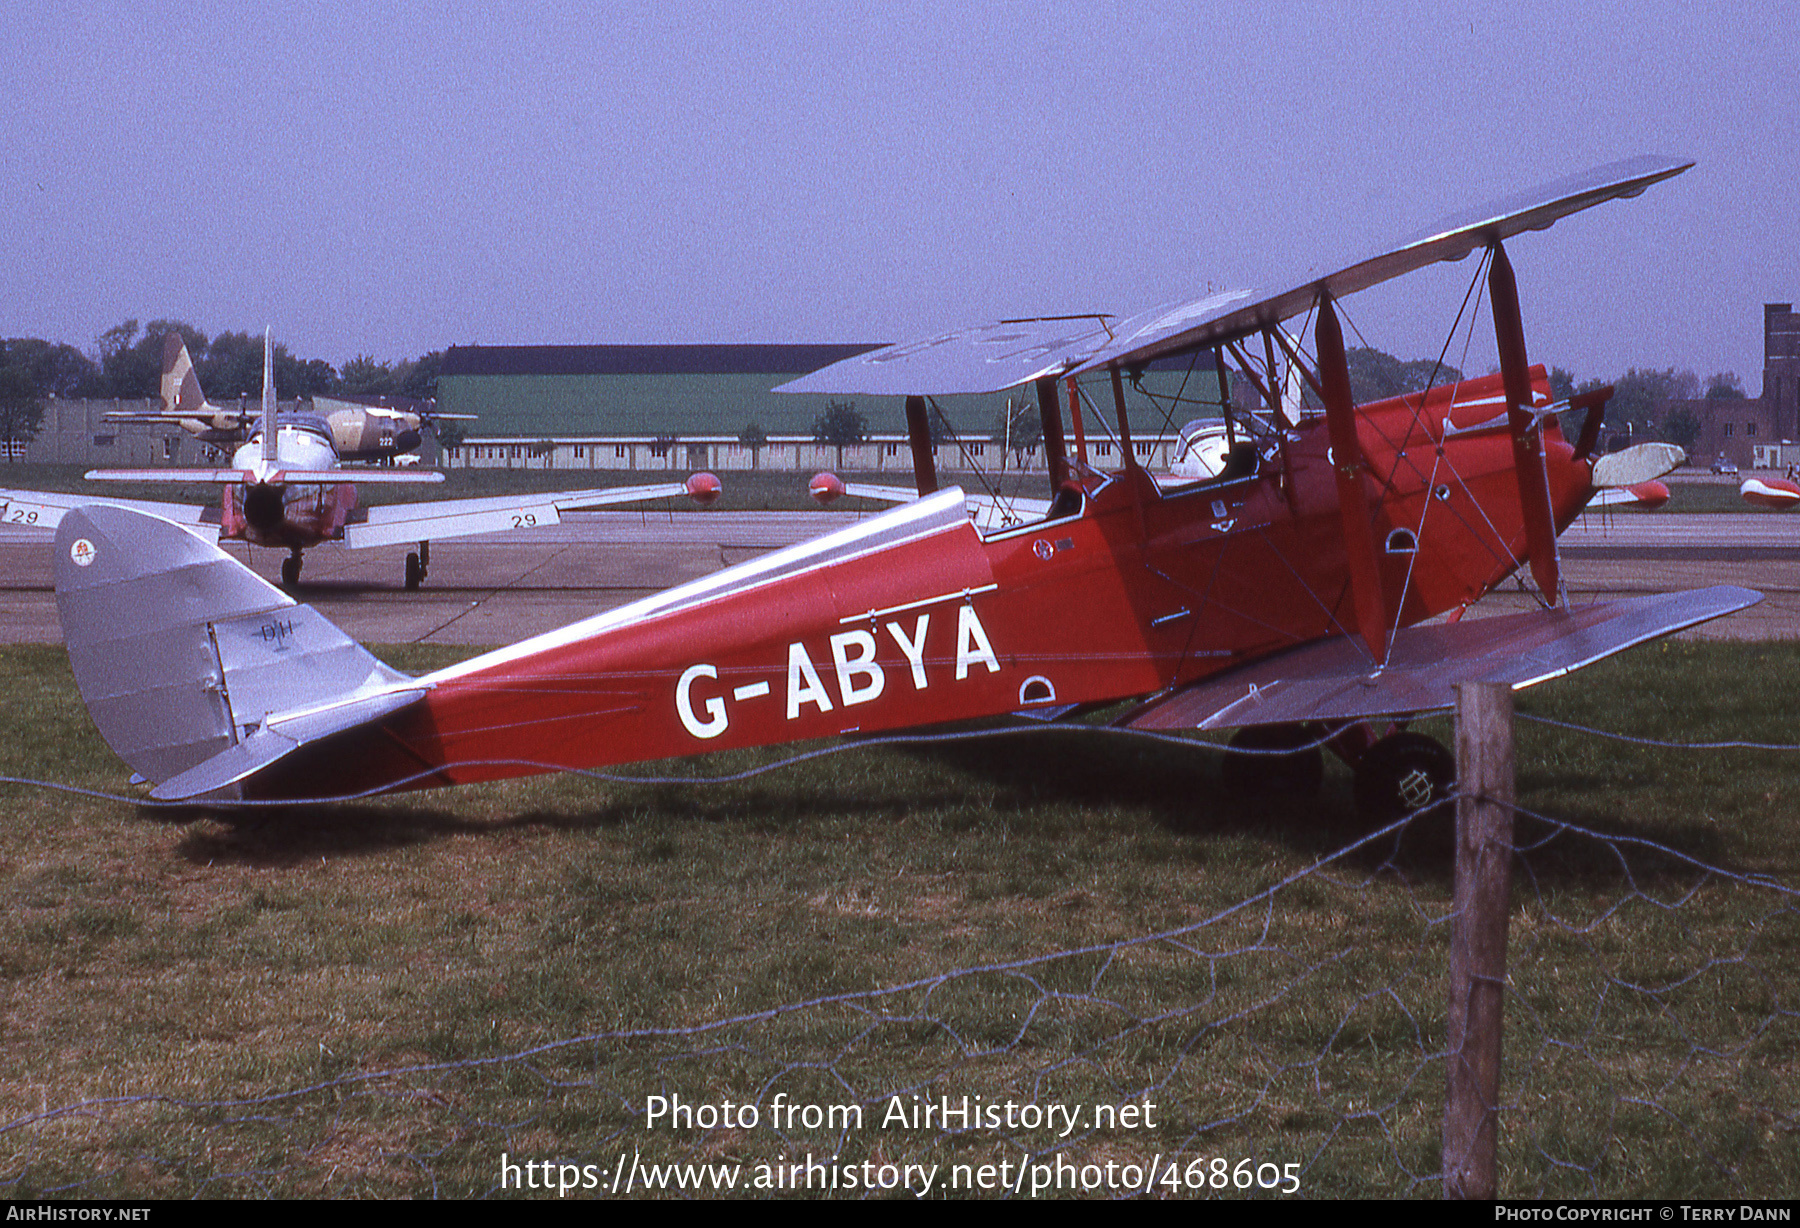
column 196, row 670
column 271, row 450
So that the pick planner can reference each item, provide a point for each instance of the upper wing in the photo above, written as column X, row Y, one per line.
column 993, row 357
column 392, row 523
column 45, row 509
column 1332, row 680
column 985, row 358
column 1214, row 320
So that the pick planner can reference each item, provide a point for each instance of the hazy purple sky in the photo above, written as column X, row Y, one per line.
column 394, row 179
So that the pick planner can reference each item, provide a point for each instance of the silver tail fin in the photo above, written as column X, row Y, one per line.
column 197, row 671
column 270, row 440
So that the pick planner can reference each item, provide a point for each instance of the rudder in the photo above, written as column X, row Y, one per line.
column 183, row 655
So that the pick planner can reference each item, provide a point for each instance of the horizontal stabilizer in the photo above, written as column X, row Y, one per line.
column 214, row 477
column 182, row 652
column 1332, row 680
column 276, row 477
column 279, row 735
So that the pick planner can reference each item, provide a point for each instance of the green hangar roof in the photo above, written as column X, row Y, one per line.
column 645, row 359
column 643, row 390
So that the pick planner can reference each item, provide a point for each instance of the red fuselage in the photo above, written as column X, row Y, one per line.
column 914, row 618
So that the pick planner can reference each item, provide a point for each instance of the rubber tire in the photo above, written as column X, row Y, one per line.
column 1293, row 775
column 1402, row 774
column 415, row 573
column 290, row 572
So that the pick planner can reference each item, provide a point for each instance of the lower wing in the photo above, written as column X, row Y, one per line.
column 45, row 509
column 393, row 523
column 1334, row 680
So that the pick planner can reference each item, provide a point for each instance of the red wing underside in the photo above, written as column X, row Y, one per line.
column 1331, row 680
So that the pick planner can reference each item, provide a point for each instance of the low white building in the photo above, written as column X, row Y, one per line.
column 882, row 453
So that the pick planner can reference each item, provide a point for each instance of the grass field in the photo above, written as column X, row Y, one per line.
column 384, row 998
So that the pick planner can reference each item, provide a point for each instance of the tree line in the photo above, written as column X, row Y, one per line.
column 127, row 364
column 1645, row 401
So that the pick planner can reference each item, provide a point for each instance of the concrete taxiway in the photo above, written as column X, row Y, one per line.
column 485, row 590
column 495, row 590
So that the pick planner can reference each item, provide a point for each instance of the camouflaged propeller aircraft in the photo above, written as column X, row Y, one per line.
column 286, row 487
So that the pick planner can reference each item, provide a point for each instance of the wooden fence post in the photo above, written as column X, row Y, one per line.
column 1484, row 825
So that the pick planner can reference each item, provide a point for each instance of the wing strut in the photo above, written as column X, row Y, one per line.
column 1353, row 499
column 1527, row 439
column 1055, row 455
column 1075, row 420
column 1125, row 444
column 918, row 433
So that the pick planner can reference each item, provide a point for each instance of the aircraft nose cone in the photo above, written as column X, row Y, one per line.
column 825, row 487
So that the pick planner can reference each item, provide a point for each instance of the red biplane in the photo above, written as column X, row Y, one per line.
column 1292, row 596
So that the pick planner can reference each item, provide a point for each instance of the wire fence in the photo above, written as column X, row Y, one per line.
column 1293, row 1042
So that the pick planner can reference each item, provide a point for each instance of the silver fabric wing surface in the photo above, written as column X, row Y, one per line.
column 1182, row 327
column 1333, row 680
column 985, row 358
column 993, row 357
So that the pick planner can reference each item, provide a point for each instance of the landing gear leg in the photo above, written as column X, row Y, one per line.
column 418, row 565
column 290, row 570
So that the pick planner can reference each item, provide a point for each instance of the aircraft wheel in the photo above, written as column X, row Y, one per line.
column 290, row 572
column 1402, row 774
column 1296, row 774
column 415, row 572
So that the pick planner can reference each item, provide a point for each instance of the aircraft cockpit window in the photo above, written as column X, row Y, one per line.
column 1209, row 452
